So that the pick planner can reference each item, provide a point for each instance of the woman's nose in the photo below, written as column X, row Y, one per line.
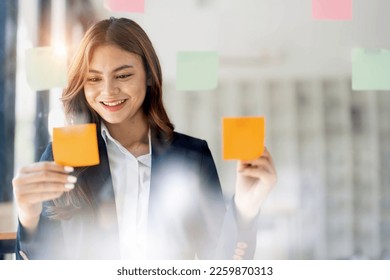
column 110, row 87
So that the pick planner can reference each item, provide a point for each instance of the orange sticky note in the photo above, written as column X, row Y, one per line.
column 243, row 138
column 76, row 145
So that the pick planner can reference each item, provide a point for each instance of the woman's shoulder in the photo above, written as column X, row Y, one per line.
column 188, row 142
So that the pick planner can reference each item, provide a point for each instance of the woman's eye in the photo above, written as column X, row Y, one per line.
column 124, row 76
column 93, row 79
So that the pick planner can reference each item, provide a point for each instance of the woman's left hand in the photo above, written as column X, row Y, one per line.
column 255, row 179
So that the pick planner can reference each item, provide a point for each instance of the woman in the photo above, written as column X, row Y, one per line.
column 156, row 192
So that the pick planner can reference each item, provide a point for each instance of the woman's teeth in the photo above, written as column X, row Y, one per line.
column 115, row 103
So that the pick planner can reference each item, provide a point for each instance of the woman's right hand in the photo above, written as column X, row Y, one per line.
column 36, row 183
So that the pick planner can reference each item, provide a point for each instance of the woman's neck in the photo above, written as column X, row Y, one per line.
column 132, row 134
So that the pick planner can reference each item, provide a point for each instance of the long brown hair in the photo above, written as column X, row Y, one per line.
column 129, row 36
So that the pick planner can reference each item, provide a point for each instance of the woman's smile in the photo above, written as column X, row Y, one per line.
column 114, row 105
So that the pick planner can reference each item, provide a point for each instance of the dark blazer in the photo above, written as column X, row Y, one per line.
column 187, row 216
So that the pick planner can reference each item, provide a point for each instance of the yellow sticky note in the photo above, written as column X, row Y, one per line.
column 76, row 145
column 243, row 138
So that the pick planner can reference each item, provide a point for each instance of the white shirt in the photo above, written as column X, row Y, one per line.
column 131, row 182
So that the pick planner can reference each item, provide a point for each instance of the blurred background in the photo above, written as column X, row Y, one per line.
column 330, row 144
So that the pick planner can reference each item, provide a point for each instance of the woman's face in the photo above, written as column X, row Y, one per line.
column 116, row 84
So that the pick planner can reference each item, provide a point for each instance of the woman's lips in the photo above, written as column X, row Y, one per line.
column 113, row 106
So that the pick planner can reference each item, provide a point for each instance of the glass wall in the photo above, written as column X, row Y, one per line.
column 276, row 59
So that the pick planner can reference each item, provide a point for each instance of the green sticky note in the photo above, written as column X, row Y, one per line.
column 370, row 69
column 197, row 70
column 46, row 68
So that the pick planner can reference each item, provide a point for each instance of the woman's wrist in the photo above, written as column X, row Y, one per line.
column 245, row 216
column 29, row 222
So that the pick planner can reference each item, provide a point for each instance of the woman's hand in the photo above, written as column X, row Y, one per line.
column 255, row 179
column 36, row 183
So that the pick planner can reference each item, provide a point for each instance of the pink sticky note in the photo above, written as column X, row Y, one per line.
column 132, row 6
column 332, row 9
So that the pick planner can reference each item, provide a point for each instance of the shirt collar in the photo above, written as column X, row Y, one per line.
column 145, row 159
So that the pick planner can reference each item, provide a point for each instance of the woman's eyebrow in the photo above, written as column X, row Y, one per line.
column 122, row 67
column 115, row 70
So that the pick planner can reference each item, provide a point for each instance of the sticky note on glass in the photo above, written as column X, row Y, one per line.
column 131, row 6
column 46, row 68
column 370, row 69
column 76, row 145
column 332, row 9
column 243, row 138
column 197, row 70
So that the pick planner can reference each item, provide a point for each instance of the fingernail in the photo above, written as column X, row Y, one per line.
column 68, row 169
column 72, row 179
column 69, row 186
